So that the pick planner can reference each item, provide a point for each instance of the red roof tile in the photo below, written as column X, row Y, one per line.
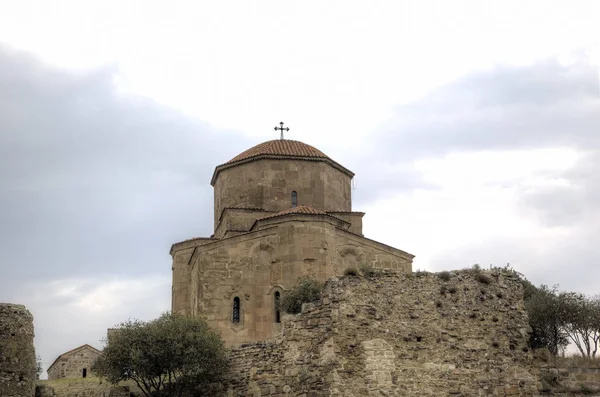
column 280, row 147
column 300, row 210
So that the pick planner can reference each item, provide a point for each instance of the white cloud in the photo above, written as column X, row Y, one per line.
column 475, row 214
column 74, row 311
column 245, row 66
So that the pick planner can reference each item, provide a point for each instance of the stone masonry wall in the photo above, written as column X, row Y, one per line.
column 17, row 354
column 88, row 387
column 397, row 335
column 269, row 183
column 72, row 364
column 254, row 266
column 570, row 375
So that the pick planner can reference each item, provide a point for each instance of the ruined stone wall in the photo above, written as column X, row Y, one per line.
column 88, row 387
column 269, row 184
column 570, row 375
column 17, row 354
column 397, row 335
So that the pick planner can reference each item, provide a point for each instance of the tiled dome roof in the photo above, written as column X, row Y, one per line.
column 280, row 147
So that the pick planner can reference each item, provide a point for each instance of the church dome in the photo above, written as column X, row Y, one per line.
column 280, row 149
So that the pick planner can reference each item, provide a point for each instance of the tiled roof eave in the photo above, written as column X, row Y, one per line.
column 327, row 160
column 189, row 240
column 301, row 214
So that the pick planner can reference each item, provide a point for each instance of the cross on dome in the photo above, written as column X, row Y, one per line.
column 282, row 129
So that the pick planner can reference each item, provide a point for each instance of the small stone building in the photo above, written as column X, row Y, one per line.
column 282, row 211
column 75, row 363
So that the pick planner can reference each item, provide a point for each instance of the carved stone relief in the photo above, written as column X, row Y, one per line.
column 350, row 257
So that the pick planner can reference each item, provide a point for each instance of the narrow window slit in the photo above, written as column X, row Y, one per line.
column 236, row 310
column 277, row 311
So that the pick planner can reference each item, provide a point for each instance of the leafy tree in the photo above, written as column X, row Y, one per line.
column 307, row 290
column 581, row 321
column 559, row 317
column 546, row 318
column 168, row 356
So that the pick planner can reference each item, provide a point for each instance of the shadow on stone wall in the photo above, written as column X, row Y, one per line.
column 17, row 354
column 397, row 335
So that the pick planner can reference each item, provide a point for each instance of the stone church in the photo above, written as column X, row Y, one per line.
column 282, row 211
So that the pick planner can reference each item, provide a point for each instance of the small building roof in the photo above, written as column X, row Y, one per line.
column 280, row 149
column 72, row 351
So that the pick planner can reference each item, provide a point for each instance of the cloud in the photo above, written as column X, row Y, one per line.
column 574, row 197
column 70, row 312
column 94, row 188
column 94, row 182
column 505, row 168
column 548, row 104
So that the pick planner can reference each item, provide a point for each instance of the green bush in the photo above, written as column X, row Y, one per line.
column 307, row 290
column 445, row 275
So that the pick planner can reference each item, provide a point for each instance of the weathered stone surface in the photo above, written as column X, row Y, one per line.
column 572, row 375
column 396, row 335
column 76, row 363
column 17, row 354
column 88, row 387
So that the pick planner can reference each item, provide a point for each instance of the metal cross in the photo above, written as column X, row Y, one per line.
column 282, row 129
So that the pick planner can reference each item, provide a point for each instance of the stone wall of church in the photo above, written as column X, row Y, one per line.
column 353, row 218
column 182, row 280
column 352, row 251
column 253, row 266
column 269, row 184
column 397, row 335
column 237, row 220
column 17, row 354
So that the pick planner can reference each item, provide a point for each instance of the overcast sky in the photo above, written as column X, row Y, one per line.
column 473, row 128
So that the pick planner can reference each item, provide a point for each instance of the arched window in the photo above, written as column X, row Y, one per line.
column 277, row 298
column 236, row 310
column 294, row 199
